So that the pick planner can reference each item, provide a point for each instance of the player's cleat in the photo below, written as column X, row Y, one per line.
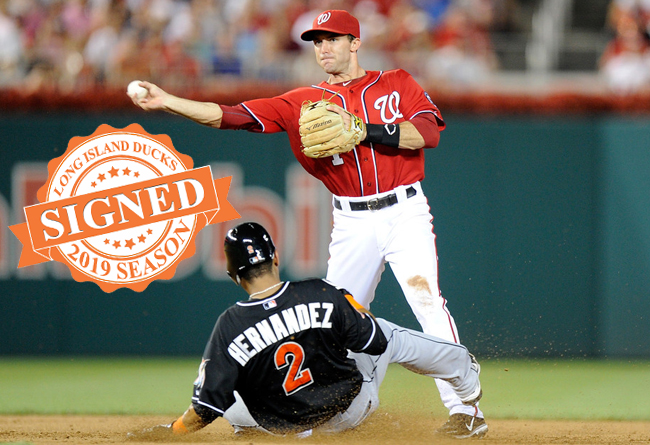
column 476, row 395
column 464, row 426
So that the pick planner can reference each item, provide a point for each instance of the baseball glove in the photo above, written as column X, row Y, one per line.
column 323, row 132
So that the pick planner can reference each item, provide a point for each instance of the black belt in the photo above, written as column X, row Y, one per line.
column 376, row 203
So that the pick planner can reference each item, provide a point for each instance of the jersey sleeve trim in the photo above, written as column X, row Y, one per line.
column 355, row 304
column 372, row 335
column 439, row 120
column 330, row 283
column 255, row 117
column 198, row 402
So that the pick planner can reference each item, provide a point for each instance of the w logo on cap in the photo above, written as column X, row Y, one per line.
column 335, row 21
column 324, row 17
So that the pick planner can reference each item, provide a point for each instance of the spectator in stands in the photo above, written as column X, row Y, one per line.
column 407, row 28
column 407, row 39
column 463, row 51
column 46, row 54
column 11, row 48
column 133, row 57
column 639, row 9
column 625, row 63
column 75, row 20
column 101, row 44
column 178, row 67
column 108, row 42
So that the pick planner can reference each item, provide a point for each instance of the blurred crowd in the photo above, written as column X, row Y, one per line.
column 625, row 63
column 63, row 45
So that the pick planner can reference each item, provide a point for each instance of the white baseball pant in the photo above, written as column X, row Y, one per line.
column 402, row 236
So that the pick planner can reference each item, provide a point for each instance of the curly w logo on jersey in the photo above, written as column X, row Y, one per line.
column 386, row 104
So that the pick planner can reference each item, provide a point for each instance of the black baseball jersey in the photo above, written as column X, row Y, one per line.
column 286, row 355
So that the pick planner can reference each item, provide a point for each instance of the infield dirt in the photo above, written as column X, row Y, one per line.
column 381, row 428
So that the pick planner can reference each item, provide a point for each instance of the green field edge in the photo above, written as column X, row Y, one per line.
column 514, row 389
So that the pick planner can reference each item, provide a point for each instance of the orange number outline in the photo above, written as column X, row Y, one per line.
column 296, row 378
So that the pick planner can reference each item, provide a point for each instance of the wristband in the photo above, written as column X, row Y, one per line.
column 383, row 134
column 178, row 427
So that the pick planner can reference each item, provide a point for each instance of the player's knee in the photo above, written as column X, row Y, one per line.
column 419, row 284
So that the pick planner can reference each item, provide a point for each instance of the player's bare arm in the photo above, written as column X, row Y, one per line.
column 188, row 422
column 204, row 113
column 409, row 137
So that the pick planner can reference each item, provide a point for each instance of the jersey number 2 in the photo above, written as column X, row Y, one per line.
column 297, row 378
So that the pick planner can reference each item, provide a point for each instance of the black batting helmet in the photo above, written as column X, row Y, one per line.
column 246, row 246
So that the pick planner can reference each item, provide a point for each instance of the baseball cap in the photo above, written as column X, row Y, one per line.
column 334, row 20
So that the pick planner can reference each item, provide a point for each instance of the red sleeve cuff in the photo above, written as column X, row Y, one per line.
column 427, row 126
column 237, row 118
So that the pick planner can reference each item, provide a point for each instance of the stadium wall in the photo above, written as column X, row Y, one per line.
column 543, row 225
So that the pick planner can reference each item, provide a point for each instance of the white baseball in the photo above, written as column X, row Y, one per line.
column 135, row 90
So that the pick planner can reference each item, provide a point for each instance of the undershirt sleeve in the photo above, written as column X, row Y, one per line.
column 238, row 118
column 427, row 126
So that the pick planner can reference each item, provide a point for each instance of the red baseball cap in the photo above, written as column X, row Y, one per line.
column 334, row 20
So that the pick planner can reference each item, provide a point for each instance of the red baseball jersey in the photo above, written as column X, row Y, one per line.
column 379, row 97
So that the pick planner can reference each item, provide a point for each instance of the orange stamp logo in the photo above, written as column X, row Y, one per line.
column 122, row 208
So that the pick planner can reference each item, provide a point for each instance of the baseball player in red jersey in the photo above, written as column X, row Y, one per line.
column 303, row 356
column 380, row 211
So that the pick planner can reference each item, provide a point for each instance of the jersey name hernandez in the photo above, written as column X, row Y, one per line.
column 279, row 326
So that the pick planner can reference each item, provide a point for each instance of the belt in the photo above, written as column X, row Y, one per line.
column 376, row 203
